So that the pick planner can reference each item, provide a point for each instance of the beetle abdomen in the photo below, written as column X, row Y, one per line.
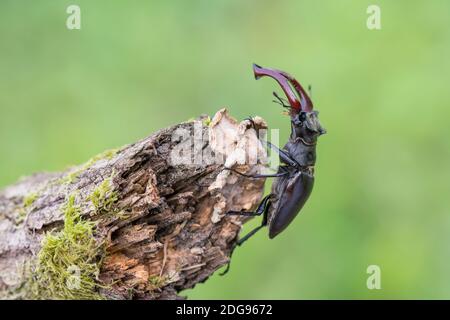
column 296, row 191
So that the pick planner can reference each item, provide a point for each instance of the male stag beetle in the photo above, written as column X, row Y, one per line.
column 295, row 176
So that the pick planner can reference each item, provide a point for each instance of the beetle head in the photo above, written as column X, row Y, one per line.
column 306, row 126
column 305, row 122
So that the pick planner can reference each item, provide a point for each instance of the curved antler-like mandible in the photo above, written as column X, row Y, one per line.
column 283, row 79
column 306, row 102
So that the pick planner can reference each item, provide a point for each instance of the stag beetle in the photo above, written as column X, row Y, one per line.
column 295, row 176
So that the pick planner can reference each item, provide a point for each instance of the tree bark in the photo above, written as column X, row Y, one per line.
column 160, row 223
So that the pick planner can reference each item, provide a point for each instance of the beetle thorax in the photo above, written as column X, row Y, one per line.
column 305, row 129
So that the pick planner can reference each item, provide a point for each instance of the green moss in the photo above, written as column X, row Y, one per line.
column 156, row 282
column 72, row 176
column 189, row 120
column 108, row 155
column 121, row 214
column 21, row 216
column 28, row 201
column 103, row 197
column 207, row 121
column 68, row 263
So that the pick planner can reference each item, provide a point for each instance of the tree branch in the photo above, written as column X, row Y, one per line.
column 131, row 223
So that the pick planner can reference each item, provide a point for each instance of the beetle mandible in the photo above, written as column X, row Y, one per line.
column 295, row 176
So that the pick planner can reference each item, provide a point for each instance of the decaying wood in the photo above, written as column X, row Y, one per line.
column 169, row 220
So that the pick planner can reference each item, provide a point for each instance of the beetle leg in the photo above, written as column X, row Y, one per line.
column 258, row 175
column 285, row 157
column 252, row 122
column 250, row 118
column 250, row 234
column 262, row 209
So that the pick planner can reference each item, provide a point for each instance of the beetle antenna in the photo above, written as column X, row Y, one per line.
column 310, row 91
column 282, row 102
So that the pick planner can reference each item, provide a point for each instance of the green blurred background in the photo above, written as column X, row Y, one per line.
column 382, row 189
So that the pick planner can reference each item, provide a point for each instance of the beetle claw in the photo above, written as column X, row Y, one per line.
column 253, row 124
column 226, row 270
column 229, row 262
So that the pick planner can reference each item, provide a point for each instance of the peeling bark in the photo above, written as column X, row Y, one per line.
column 166, row 228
